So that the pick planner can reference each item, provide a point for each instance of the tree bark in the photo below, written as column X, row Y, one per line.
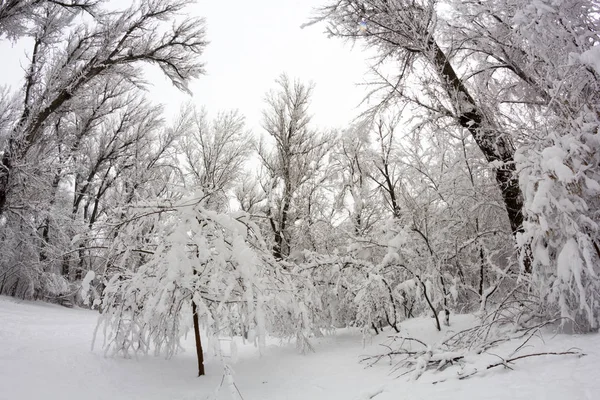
column 494, row 145
column 199, row 351
column 281, row 248
column 433, row 310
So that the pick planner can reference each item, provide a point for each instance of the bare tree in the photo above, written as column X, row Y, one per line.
column 215, row 153
column 353, row 166
column 297, row 153
column 386, row 174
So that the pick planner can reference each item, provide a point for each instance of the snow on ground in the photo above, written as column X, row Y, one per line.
column 45, row 354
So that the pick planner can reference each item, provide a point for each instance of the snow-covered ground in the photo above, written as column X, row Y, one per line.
column 45, row 354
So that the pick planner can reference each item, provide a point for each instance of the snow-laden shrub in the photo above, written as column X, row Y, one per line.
column 560, row 181
column 207, row 261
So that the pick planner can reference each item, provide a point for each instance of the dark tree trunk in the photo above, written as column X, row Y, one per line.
column 277, row 254
column 481, row 270
column 494, row 145
column 66, row 267
column 391, row 191
column 5, row 169
column 375, row 328
column 394, row 323
column 199, row 352
column 281, row 247
column 433, row 310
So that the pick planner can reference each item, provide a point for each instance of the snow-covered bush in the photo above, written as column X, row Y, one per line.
column 209, row 264
column 560, row 179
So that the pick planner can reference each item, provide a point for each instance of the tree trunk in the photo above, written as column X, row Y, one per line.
column 199, row 351
column 278, row 245
column 11, row 152
column 5, row 170
column 433, row 310
column 494, row 145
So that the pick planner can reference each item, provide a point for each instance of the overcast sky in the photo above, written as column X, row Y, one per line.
column 251, row 44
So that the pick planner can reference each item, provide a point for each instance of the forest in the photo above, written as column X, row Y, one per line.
column 469, row 184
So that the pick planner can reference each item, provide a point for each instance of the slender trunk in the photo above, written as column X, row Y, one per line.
column 393, row 324
column 199, row 352
column 407, row 309
column 391, row 191
column 80, row 262
column 375, row 328
column 446, row 308
column 6, row 166
column 445, row 293
column 389, row 321
column 278, row 241
column 433, row 310
column 481, row 270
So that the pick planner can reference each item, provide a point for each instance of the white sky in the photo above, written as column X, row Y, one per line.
column 251, row 44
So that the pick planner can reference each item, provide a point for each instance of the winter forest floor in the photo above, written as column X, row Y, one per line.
column 45, row 354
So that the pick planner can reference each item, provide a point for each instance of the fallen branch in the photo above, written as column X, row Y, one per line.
column 549, row 353
column 438, row 357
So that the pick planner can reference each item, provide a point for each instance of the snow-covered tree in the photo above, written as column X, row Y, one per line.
column 297, row 155
column 17, row 16
column 215, row 153
column 409, row 33
column 521, row 78
column 78, row 140
column 204, row 269
column 116, row 44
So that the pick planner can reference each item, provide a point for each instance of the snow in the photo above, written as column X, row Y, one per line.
column 553, row 161
column 45, row 354
column 591, row 58
column 569, row 260
column 85, row 286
